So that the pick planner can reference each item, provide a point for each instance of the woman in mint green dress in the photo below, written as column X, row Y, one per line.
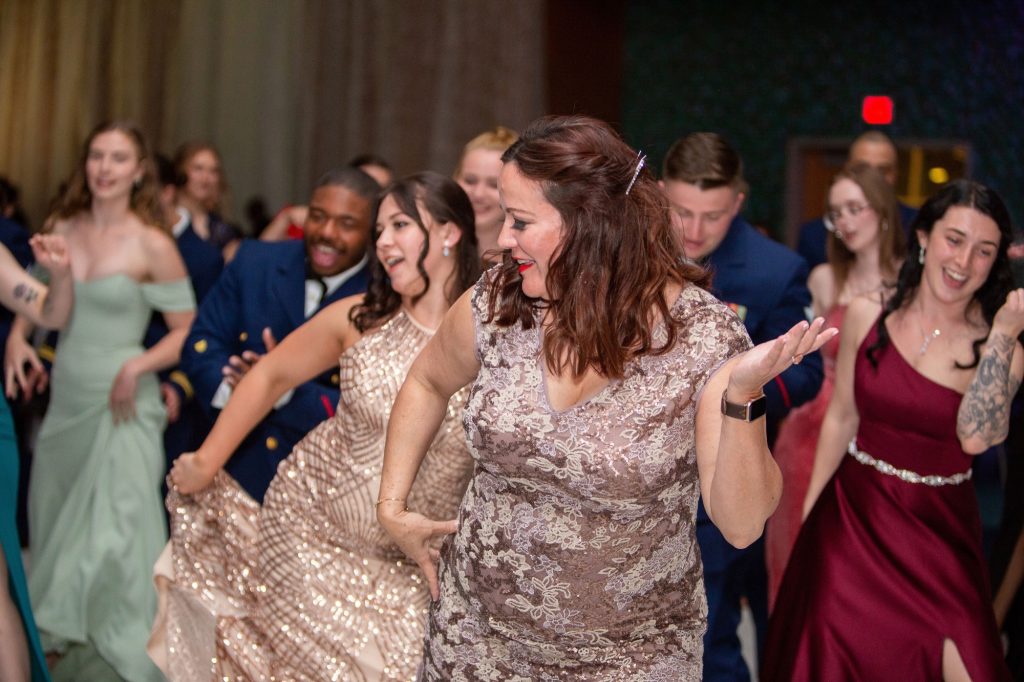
column 95, row 511
column 21, row 657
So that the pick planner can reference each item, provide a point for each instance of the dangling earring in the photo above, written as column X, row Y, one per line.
column 885, row 225
column 446, row 251
column 920, row 256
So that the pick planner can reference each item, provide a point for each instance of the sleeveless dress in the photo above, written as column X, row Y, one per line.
column 10, row 544
column 886, row 566
column 311, row 587
column 576, row 555
column 95, row 517
column 794, row 453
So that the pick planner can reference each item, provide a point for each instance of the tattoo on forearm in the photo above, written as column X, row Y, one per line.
column 985, row 408
column 25, row 292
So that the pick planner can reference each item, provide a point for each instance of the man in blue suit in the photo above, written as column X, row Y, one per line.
column 268, row 290
column 765, row 285
column 875, row 149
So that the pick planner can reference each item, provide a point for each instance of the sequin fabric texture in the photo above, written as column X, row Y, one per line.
column 576, row 555
column 323, row 594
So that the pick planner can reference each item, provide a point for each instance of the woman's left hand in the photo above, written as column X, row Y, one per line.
column 765, row 361
column 122, row 393
column 417, row 536
column 1010, row 316
column 190, row 474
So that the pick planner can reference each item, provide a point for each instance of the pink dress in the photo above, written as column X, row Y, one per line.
column 794, row 453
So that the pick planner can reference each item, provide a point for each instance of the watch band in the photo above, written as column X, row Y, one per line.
column 747, row 412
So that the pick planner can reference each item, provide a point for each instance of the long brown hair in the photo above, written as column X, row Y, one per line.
column 892, row 242
column 616, row 254
column 144, row 201
column 184, row 154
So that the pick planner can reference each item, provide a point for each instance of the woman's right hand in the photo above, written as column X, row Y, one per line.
column 417, row 536
column 190, row 474
column 17, row 355
column 51, row 252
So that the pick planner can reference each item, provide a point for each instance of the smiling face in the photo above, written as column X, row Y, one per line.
column 400, row 242
column 336, row 230
column 855, row 221
column 960, row 252
column 478, row 176
column 112, row 165
column 701, row 217
column 532, row 230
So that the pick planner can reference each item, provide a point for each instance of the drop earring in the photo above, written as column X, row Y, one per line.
column 920, row 256
column 446, row 251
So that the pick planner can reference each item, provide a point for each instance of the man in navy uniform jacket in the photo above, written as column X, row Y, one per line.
column 765, row 285
column 267, row 291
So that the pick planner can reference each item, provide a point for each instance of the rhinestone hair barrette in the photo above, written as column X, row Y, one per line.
column 641, row 158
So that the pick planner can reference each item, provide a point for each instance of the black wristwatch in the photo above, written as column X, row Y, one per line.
column 747, row 412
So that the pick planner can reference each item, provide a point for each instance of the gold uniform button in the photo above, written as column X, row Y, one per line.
column 271, row 443
column 200, row 346
column 243, row 336
column 334, row 379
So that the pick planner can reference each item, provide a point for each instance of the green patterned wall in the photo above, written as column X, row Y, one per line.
column 761, row 75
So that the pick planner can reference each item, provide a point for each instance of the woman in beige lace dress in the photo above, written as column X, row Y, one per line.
column 602, row 370
column 323, row 593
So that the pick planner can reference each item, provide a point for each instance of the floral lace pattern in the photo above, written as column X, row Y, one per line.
column 576, row 555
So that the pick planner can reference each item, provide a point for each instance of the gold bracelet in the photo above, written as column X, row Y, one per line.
column 389, row 499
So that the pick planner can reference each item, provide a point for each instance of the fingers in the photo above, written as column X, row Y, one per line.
column 268, row 339
column 429, row 569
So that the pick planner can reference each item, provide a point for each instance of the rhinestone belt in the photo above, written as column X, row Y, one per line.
column 905, row 474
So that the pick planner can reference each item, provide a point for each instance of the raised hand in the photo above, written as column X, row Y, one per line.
column 51, row 252
column 1010, row 317
column 765, row 361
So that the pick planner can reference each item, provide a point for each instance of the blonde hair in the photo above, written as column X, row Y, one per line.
column 496, row 139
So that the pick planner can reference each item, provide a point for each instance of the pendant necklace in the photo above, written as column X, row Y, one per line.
column 928, row 338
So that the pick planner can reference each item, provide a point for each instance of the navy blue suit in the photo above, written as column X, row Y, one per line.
column 204, row 263
column 264, row 286
column 811, row 244
column 766, row 285
column 15, row 238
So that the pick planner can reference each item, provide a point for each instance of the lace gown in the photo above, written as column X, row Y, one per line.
column 794, row 452
column 887, row 567
column 576, row 555
column 95, row 516
column 310, row 587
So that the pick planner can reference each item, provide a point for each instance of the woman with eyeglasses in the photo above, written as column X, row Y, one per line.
column 887, row 580
column 865, row 247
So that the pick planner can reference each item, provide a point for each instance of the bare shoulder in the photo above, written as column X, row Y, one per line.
column 862, row 312
column 157, row 242
column 61, row 226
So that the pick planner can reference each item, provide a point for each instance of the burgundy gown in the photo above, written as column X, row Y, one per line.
column 884, row 569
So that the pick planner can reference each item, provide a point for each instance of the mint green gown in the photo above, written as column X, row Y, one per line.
column 95, row 511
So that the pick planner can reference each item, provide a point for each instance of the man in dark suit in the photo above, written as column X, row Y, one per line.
column 268, row 290
column 875, row 149
column 765, row 285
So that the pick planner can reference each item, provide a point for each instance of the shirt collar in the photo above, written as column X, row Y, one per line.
column 332, row 283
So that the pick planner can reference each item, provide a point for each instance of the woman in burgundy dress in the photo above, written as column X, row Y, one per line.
column 887, row 579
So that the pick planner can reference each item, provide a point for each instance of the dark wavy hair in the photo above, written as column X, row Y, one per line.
column 144, row 201
column 446, row 202
column 892, row 242
column 617, row 251
column 991, row 295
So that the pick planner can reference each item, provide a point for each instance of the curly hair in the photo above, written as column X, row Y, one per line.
column 617, row 251
column 144, row 202
column 990, row 296
column 445, row 201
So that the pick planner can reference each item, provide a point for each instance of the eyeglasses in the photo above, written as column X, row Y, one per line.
column 832, row 216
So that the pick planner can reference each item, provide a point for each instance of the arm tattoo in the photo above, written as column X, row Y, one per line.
column 985, row 409
column 25, row 292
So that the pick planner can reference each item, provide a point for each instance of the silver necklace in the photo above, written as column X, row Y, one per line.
column 928, row 338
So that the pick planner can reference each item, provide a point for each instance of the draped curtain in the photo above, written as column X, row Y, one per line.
column 284, row 88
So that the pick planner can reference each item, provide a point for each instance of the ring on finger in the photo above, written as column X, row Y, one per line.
column 797, row 358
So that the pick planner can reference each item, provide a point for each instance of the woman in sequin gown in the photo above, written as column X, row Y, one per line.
column 21, row 654
column 866, row 246
column 309, row 587
column 595, row 421
column 887, row 580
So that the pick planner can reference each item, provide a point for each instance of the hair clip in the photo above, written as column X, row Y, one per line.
column 641, row 157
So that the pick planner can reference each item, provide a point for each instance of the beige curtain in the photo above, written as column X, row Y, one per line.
column 285, row 88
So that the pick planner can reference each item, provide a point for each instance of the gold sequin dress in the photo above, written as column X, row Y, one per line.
column 310, row 587
column 576, row 555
